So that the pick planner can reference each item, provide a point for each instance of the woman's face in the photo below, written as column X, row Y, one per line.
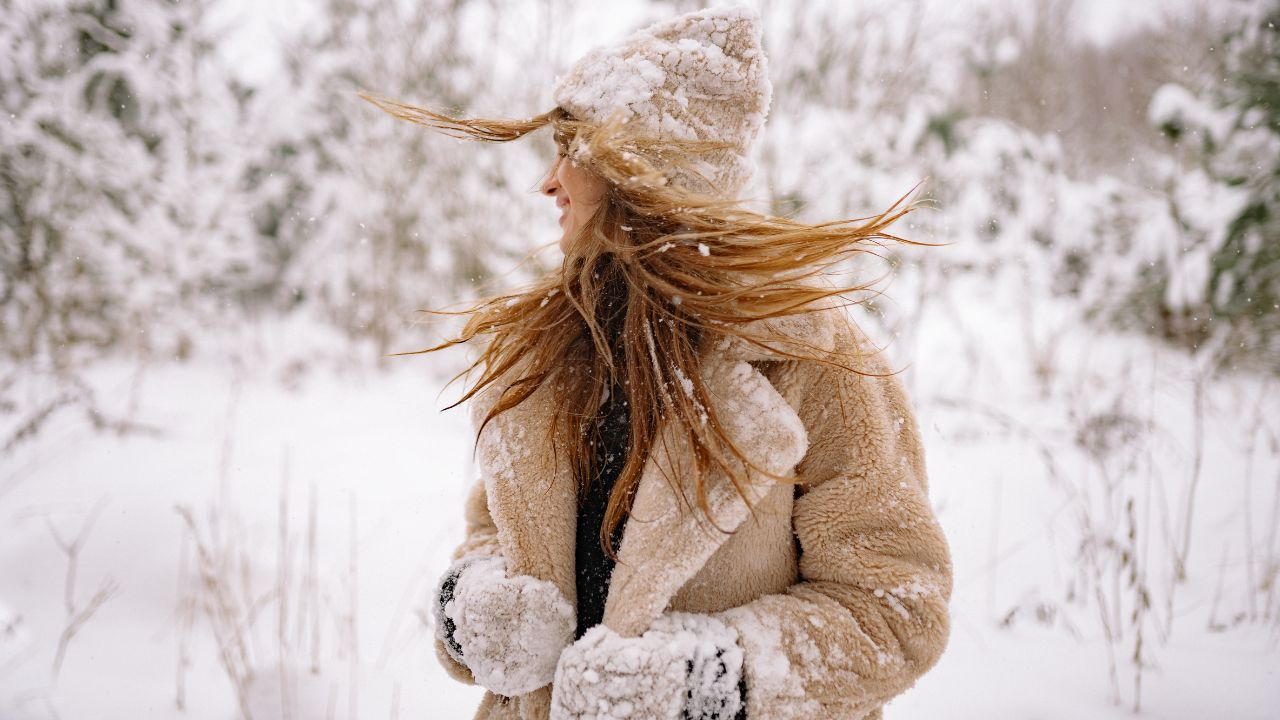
column 578, row 193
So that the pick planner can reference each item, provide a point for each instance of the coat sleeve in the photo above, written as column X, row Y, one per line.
column 481, row 540
column 869, row 613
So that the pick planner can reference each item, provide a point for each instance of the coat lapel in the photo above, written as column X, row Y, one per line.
column 665, row 543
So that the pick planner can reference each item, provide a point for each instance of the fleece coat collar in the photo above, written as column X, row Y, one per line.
column 532, row 496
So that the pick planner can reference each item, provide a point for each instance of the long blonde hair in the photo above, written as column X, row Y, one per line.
column 652, row 277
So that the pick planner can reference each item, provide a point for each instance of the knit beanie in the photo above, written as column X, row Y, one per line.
column 699, row 76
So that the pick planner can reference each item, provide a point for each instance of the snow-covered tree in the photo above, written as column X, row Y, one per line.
column 371, row 218
column 122, row 207
column 122, row 226
column 1223, row 183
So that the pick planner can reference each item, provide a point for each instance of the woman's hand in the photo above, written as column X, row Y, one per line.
column 509, row 631
column 686, row 666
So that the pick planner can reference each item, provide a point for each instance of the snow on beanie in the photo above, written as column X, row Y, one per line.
column 699, row 76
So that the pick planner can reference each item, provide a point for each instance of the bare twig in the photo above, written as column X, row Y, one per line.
column 1180, row 560
column 77, row 616
column 78, row 619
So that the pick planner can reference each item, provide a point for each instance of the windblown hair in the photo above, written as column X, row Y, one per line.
column 655, row 276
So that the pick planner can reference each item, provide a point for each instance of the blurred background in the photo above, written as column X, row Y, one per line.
column 221, row 496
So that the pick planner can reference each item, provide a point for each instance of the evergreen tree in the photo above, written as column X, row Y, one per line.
column 371, row 218
column 1228, row 129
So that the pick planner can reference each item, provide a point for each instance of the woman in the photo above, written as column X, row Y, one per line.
column 702, row 493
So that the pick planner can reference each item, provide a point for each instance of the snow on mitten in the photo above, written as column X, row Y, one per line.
column 685, row 666
column 508, row 631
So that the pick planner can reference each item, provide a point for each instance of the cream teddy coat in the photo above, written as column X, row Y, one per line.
column 838, row 586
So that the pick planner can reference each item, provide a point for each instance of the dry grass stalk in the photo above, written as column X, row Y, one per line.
column 186, row 619
column 284, row 555
column 353, row 584
column 1184, row 548
column 308, row 615
column 229, row 617
column 227, row 592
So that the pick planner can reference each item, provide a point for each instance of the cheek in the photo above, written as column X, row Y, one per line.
column 591, row 190
column 567, row 180
column 581, row 186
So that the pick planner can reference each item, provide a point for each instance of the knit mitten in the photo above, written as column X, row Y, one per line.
column 686, row 666
column 509, row 631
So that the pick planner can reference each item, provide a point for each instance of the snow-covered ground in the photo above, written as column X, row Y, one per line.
column 1035, row 475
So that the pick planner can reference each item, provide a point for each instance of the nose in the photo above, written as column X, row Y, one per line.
column 549, row 183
